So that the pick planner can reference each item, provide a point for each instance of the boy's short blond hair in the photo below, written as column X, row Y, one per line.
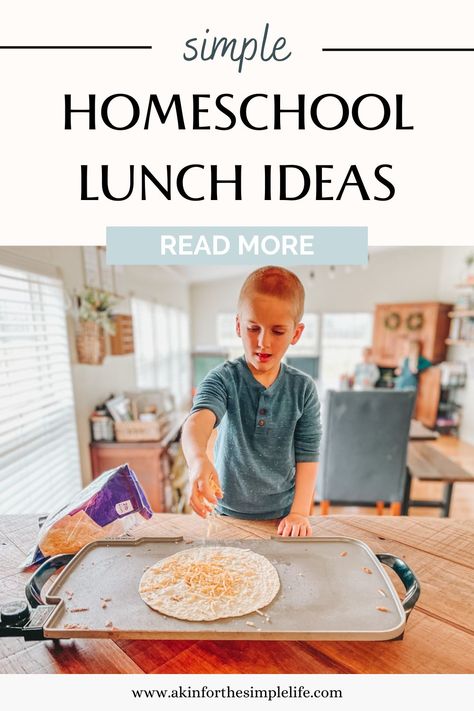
column 275, row 281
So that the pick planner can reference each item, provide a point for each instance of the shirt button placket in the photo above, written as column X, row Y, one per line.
column 262, row 410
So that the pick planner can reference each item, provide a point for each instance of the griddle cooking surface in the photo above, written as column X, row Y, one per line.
column 323, row 595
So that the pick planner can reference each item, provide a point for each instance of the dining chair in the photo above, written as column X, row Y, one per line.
column 364, row 449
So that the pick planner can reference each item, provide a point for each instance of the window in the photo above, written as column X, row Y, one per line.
column 162, row 353
column 227, row 337
column 343, row 338
column 308, row 345
column 39, row 458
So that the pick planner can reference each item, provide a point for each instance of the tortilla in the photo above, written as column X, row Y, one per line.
column 210, row 583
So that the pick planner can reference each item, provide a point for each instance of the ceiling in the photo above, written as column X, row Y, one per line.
column 209, row 272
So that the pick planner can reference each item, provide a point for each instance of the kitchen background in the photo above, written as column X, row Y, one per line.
column 172, row 324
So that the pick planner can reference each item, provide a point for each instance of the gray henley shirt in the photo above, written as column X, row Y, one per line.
column 263, row 433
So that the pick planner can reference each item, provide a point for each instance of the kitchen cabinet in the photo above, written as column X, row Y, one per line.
column 427, row 322
column 427, row 399
column 149, row 461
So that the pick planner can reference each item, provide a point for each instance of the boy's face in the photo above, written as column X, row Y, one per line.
column 267, row 327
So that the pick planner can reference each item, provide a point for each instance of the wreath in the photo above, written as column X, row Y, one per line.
column 415, row 321
column 392, row 321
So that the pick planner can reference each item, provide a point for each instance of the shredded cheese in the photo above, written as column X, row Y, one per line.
column 208, row 578
column 208, row 583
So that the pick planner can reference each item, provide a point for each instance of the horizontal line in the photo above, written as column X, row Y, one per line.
column 78, row 46
column 398, row 49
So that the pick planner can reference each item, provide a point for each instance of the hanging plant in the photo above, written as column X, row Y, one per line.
column 415, row 321
column 96, row 306
column 392, row 321
column 95, row 319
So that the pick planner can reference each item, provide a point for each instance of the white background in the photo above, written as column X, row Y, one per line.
column 39, row 170
column 40, row 162
column 370, row 693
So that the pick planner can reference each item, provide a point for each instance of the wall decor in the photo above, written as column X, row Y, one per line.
column 392, row 321
column 415, row 321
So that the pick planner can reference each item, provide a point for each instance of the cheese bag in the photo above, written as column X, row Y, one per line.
column 110, row 506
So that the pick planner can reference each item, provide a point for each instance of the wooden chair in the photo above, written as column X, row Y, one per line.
column 364, row 449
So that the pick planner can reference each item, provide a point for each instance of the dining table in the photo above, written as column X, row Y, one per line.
column 447, row 460
column 438, row 638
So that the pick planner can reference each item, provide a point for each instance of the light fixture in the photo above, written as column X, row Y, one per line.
column 311, row 279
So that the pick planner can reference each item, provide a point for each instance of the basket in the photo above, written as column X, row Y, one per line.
column 90, row 343
column 136, row 431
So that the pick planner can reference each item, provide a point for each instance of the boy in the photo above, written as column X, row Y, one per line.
column 268, row 415
column 366, row 373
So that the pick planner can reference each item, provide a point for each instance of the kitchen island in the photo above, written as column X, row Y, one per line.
column 439, row 636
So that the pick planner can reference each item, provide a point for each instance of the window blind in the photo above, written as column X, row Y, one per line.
column 162, row 350
column 39, row 457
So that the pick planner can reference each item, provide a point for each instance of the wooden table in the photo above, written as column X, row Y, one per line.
column 438, row 639
column 418, row 431
column 447, row 460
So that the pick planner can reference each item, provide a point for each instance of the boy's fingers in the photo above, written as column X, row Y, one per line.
column 207, row 492
column 215, row 485
column 196, row 509
column 204, row 489
column 296, row 529
column 197, row 504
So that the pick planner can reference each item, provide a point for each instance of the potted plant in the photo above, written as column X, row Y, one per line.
column 95, row 319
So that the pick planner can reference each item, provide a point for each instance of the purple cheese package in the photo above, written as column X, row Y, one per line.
column 110, row 506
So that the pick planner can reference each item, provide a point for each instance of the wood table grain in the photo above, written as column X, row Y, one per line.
column 439, row 636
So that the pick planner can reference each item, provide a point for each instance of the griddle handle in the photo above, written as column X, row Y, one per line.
column 408, row 578
column 41, row 575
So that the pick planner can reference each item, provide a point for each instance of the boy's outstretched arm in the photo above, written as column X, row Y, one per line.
column 297, row 522
column 204, row 478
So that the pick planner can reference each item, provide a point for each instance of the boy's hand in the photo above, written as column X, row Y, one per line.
column 295, row 525
column 205, row 487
